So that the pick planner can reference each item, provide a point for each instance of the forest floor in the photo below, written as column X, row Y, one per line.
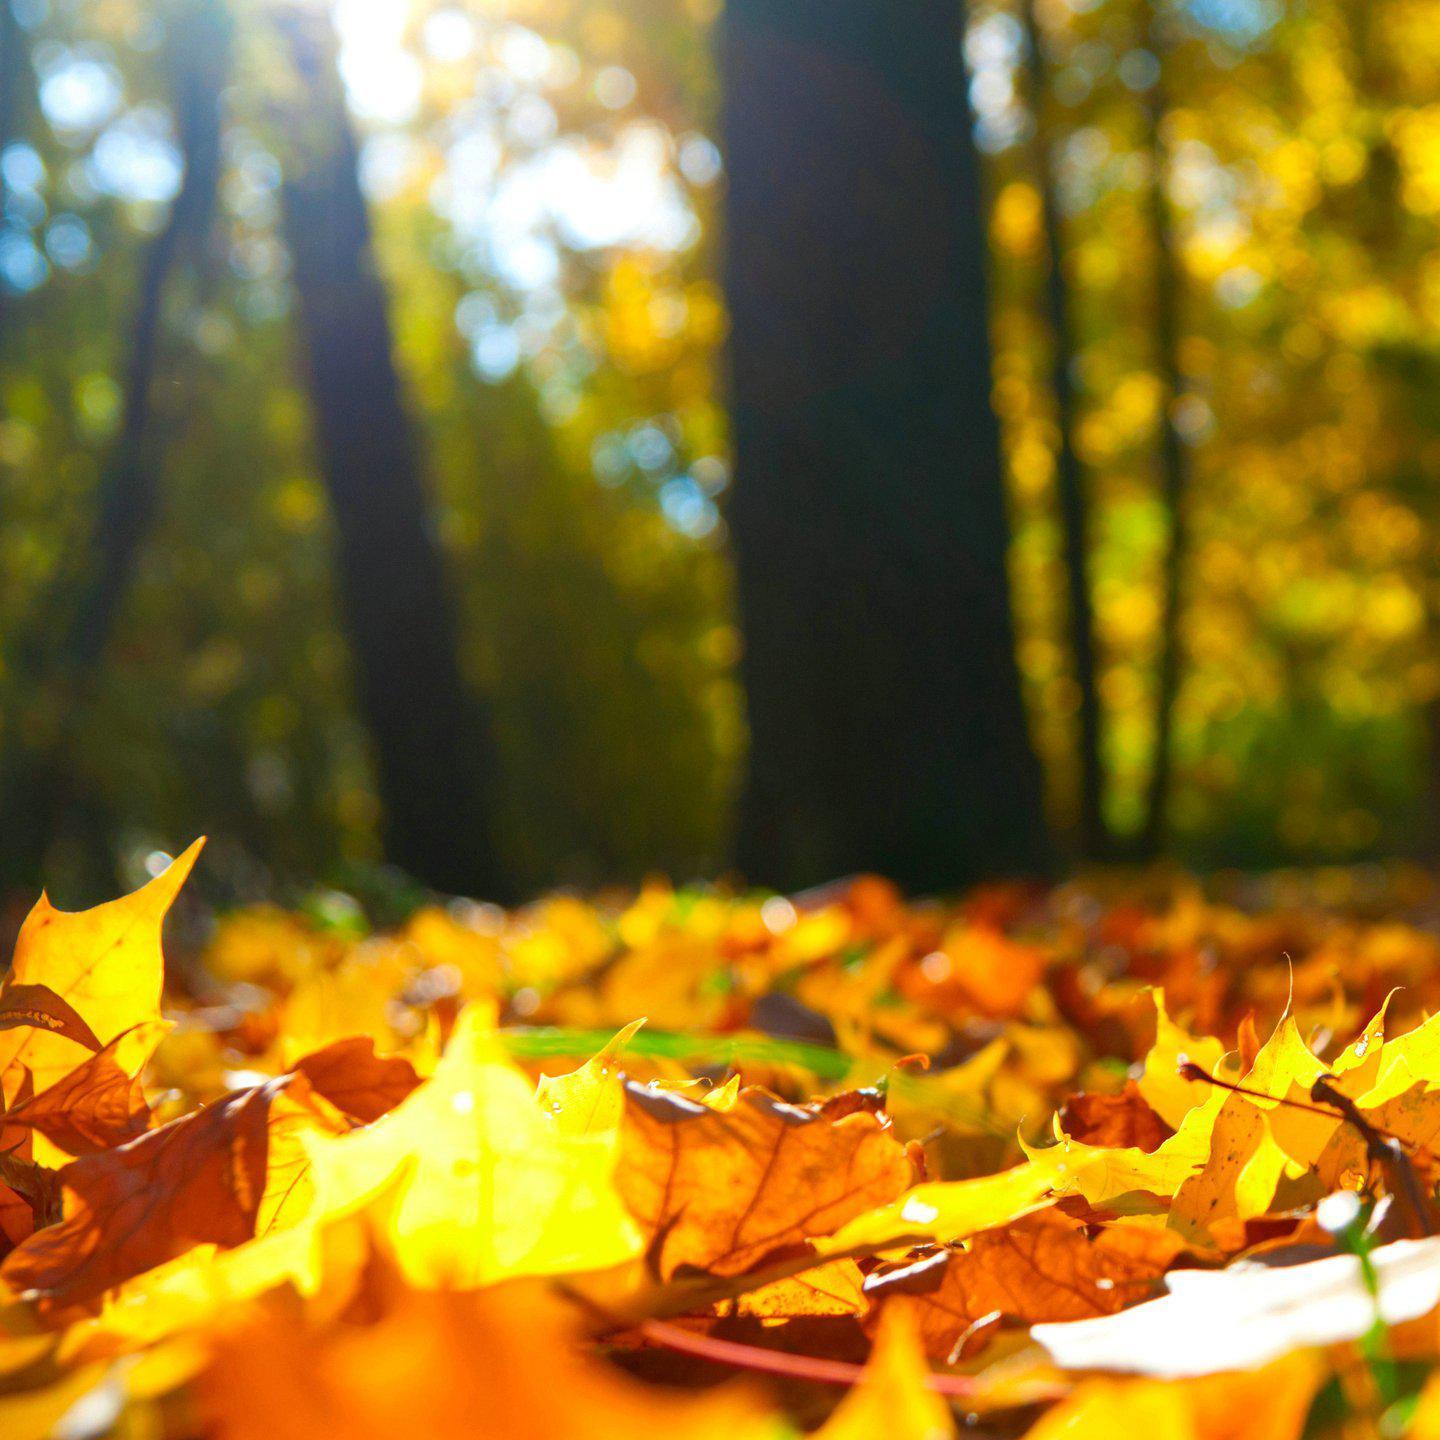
column 1122, row 1156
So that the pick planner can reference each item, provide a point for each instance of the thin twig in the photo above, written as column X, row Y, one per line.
column 780, row 1362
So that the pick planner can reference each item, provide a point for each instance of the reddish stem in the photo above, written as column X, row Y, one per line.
column 778, row 1362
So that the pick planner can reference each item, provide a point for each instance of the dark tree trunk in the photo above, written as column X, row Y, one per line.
column 887, row 731
column 1070, row 480
column 38, row 782
column 130, row 483
column 1174, row 465
column 432, row 748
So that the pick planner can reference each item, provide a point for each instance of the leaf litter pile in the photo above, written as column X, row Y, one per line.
column 1035, row 1163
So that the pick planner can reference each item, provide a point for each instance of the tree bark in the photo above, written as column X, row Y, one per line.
column 433, row 754
column 1071, row 486
column 868, row 514
column 1174, row 463
column 129, row 484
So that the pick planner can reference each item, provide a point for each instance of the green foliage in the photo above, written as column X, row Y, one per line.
column 561, row 361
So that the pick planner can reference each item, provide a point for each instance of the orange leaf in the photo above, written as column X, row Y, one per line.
column 1267, row 1404
column 99, row 1104
column 1123, row 1120
column 195, row 1181
column 1039, row 1268
column 721, row 1190
column 451, row 1365
column 356, row 1081
column 1248, row 1040
column 17, row 1219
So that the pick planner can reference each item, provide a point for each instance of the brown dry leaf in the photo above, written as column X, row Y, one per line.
column 1268, row 1404
column 38, row 1007
column 330, row 1093
column 498, row 1363
column 17, row 1218
column 1121, row 1120
column 1043, row 1267
column 199, row 1179
column 356, row 1081
column 79, row 979
column 99, row 1104
column 722, row 1190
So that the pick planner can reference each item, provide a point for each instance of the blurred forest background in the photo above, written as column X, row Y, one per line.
column 228, row 441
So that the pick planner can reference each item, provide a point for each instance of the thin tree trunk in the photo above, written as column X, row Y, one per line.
column 101, row 569
column 1070, row 479
column 1174, row 462
column 129, row 486
column 433, row 751
column 868, row 513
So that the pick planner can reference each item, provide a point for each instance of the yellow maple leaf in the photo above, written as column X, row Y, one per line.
column 1162, row 1086
column 483, row 1183
column 1103, row 1173
column 945, row 1210
column 588, row 1101
column 1246, row 1161
column 81, row 978
column 1268, row 1404
column 892, row 1398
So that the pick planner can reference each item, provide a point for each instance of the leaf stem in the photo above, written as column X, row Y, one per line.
column 780, row 1362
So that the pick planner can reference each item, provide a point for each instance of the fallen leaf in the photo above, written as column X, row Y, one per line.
column 588, row 1100
column 1265, row 1404
column 1215, row 1320
column 1123, row 1120
column 946, row 1210
column 356, row 1081
column 197, row 1180
column 33, row 1413
column 1103, row 1175
column 498, row 1365
column 99, row 1104
column 834, row 1288
column 1042, row 1267
column 721, row 1190
column 103, row 966
column 484, row 1184
column 1246, row 1161
column 38, row 1007
column 1161, row 1085
column 892, row 1398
